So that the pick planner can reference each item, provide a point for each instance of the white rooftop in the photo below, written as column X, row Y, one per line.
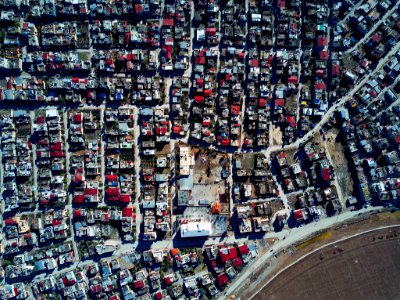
column 195, row 228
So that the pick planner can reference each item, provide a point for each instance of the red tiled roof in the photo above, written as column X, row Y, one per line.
column 335, row 70
column 78, row 118
column 280, row 102
column 168, row 50
column 326, row 174
column 320, row 86
column 222, row 279
column 112, row 191
column 207, row 93
column 254, row 62
column 199, row 99
column 235, row 109
column 124, row 198
column 376, row 38
column 224, row 255
column 96, row 288
column 298, row 214
column 232, row 253
column 167, row 280
column 176, row 129
column 112, row 198
column 200, row 60
column 40, row 120
column 324, row 55
column 322, row 41
column 79, row 198
column 225, row 142
column 244, row 249
column 211, row 31
column 78, row 178
column 138, row 284
column 10, row 221
column 127, row 37
column 293, row 79
column 237, row 262
column 281, row 3
column 77, row 213
column 56, row 222
column 91, row 191
column 55, row 146
column 291, row 120
column 158, row 295
column 213, row 264
column 206, row 123
column 112, row 178
column 57, row 154
column 161, row 131
column 168, row 22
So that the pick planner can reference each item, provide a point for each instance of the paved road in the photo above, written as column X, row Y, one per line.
column 295, row 235
column 318, row 249
column 34, row 166
column 373, row 29
column 136, row 133
column 69, row 196
column 351, row 13
column 292, row 235
column 267, row 152
column 342, row 101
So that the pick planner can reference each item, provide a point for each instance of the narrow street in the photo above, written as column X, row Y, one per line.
column 69, row 196
column 34, row 166
column 373, row 29
column 288, row 238
column 352, row 11
column 133, row 53
column 136, row 131
column 335, row 107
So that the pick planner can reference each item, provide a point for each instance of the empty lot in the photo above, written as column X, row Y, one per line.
column 365, row 267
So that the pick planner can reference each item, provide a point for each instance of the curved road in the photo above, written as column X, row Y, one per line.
column 295, row 235
column 318, row 249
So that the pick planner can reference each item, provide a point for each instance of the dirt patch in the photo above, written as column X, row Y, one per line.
column 209, row 167
column 276, row 136
column 292, row 198
column 288, row 256
column 291, row 104
column 248, row 161
column 211, row 192
column 340, row 164
column 344, row 271
column 165, row 150
column 348, row 61
column 290, row 156
column 321, row 237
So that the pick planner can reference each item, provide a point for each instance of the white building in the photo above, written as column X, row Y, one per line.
column 195, row 228
column 186, row 161
column 201, row 35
